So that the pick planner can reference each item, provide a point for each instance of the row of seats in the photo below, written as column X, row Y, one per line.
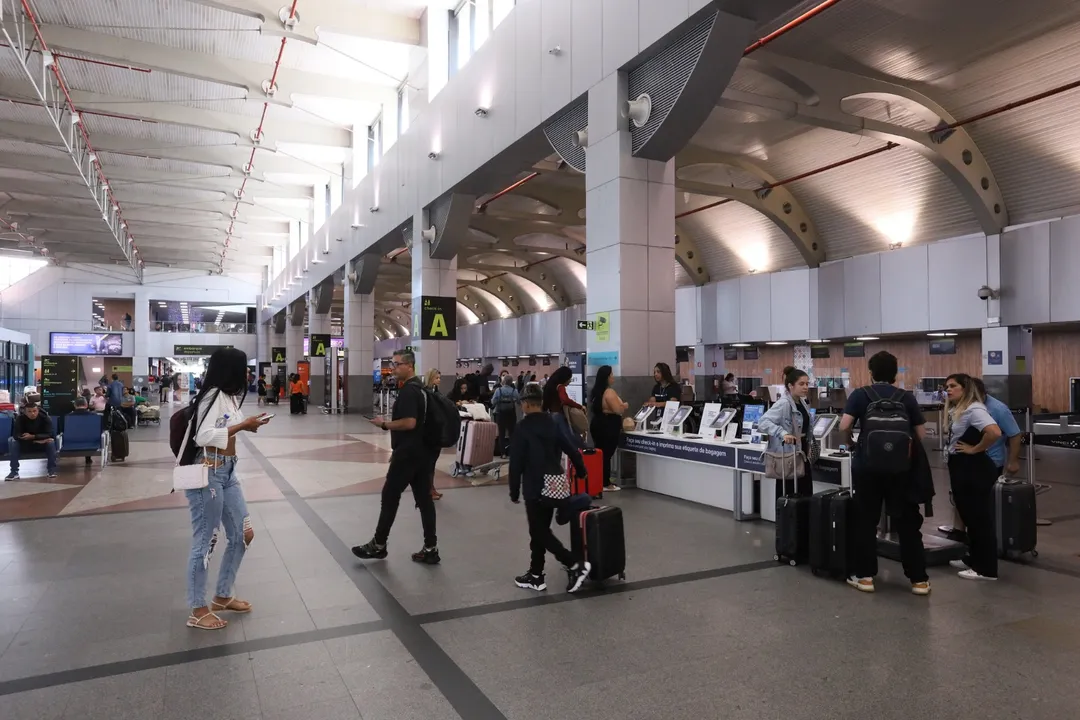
column 77, row 435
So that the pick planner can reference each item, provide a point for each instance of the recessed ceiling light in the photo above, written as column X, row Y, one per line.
column 935, row 334
column 866, row 338
column 740, row 344
column 776, row 342
column 816, row 342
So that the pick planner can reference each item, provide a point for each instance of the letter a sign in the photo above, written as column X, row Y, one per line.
column 438, row 318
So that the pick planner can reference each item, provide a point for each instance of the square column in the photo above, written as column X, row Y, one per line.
column 1007, row 364
column 434, row 329
column 277, row 340
column 359, row 327
column 630, row 257
column 316, row 325
column 294, row 340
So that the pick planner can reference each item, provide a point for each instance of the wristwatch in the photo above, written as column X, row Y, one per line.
column 383, row 425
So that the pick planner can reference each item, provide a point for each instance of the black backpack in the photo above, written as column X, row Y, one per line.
column 885, row 444
column 441, row 423
column 178, row 427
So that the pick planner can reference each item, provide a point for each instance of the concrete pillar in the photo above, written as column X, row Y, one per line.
column 630, row 222
column 316, row 325
column 435, row 279
column 359, row 331
column 277, row 340
column 1007, row 364
column 708, row 364
column 262, row 343
column 140, row 361
column 294, row 339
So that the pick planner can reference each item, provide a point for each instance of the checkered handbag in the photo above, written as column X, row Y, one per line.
column 556, row 486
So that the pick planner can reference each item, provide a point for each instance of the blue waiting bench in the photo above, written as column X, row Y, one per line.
column 77, row 435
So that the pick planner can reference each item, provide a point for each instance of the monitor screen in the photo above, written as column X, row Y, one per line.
column 813, row 412
column 681, row 415
column 823, row 425
column 723, row 418
column 64, row 343
column 751, row 414
column 643, row 413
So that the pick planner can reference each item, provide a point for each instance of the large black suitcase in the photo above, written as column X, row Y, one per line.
column 792, row 529
column 831, row 520
column 118, row 445
column 1015, row 518
column 597, row 536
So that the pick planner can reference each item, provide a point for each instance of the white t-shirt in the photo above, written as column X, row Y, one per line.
column 215, row 419
column 974, row 415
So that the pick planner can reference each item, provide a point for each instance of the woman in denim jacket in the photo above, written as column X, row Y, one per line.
column 788, row 423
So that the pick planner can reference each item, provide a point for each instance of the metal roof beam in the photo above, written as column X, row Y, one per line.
column 336, row 16
column 226, row 71
column 233, row 157
column 953, row 152
column 121, row 177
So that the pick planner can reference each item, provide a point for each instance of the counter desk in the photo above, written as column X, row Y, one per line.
column 720, row 474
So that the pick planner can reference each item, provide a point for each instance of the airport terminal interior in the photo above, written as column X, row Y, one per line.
column 736, row 215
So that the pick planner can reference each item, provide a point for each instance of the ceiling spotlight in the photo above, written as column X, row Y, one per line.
column 639, row 109
column 581, row 138
column 433, row 155
column 776, row 342
column 481, row 112
column 428, row 234
column 740, row 345
column 865, row 338
column 896, row 245
column 373, row 209
column 47, row 58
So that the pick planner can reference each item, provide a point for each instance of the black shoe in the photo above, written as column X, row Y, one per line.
column 531, row 581
column 89, row 461
column 370, row 551
column 577, row 575
column 428, row 556
column 13, row 475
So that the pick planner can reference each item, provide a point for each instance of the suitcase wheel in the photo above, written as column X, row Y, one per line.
column 776, row 558
column 454, row 471
column 1034, row 553
column 622, row 576
column 792, row 563
column 815, row 572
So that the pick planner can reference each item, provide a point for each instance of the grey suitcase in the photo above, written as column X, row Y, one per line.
column 1015, row 518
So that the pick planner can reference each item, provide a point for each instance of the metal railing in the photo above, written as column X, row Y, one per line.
column 202, row 327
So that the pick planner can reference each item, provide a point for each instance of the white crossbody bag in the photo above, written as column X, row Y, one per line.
column 190, row 477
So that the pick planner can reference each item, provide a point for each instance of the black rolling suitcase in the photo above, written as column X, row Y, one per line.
column 831, row 518
column 1016, row 521
column 597, row 536
column 792, row 527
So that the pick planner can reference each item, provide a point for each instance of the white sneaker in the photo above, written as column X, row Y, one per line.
column 865, row 584
column 611, row 487
column 959, row 565
column 972, row 575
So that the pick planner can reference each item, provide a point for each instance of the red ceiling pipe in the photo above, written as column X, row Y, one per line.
column 82, row 127
column 1013, row 105
column 703, row 208
column 506, row 190
column 788, row 27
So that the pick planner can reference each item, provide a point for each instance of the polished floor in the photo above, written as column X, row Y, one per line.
column 707, row 626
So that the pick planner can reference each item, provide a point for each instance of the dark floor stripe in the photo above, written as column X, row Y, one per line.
column 616, row 589
column 1063, row 518
column 457, row 687
column 181, row 657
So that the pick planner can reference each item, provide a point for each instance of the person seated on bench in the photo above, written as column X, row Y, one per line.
column 33, row 433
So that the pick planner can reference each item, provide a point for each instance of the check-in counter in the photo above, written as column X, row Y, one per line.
column 719, row 474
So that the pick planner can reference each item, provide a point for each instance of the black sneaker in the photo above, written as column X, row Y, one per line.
column 370, row 551
column 531, row 581
column 577, row 576
column 428, row 556
column 52, row 475
column 13, row 475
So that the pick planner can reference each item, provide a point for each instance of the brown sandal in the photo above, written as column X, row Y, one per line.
column 435, row 494
column 231, row 605
column 209, row 621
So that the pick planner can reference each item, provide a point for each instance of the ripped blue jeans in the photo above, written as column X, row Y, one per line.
column 219, row 503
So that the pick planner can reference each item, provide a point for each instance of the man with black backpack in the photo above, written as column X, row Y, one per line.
column 890, row 424
column 413, row 433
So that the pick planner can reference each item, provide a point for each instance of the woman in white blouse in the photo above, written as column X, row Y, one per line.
column 218, row 418
column 971, row 431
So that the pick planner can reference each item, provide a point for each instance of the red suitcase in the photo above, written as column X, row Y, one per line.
column 593, row 485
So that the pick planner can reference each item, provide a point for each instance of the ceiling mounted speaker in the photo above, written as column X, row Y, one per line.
column 639, row 109
column 581, row 138
column 428, row 234
column 353, row 277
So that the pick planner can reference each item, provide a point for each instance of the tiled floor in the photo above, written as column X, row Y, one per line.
column 707, row 626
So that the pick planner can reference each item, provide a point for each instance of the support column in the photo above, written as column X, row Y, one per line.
column 277, row 340
column 359, row 331
column 294, row 337
column 262, row 343
column 1007, row 365
column 630, row 222
column 434, row 344
column 140, row 361
column 711, row 359
column 317, row 324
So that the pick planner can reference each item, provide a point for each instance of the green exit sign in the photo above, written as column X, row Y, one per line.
column 586, row 325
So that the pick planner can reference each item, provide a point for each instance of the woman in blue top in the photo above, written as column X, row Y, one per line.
column 788, row 423
column 504, row 403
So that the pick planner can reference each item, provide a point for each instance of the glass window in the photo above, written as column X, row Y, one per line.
column 305, row 233
column 463, row 24
column 499, row 10
column 374, row 144
column 320, row 204
column 294, row 238
column 481, row 23
column 14, row 269
column 403, row 109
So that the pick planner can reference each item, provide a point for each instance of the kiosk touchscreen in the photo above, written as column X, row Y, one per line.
column 823, row 425
column 680, row 417
column 723, row 419
column 641, row 417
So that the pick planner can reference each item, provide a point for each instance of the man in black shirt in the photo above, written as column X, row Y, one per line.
column 33, row 433
column 871, row 490
column 408, row 465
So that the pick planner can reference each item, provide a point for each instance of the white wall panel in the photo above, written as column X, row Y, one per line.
column 957, row 269
column 1025, row 275
column 831, row 301
column 620, row 41
column 556, row 70
column 656, row 18
column 905, row 290
column 528, row 55
column 587, row 56
column 1065, row 270
column 728, row 313
column 551, row 336
column 706, row 300
column 687, row 328
column 755, row 308
column 862, row 295
column 790, row 305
